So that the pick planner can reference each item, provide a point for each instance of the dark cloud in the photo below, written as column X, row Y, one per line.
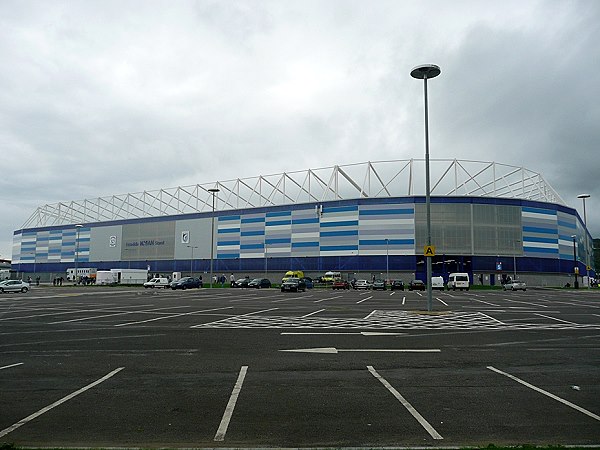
column 106, row 98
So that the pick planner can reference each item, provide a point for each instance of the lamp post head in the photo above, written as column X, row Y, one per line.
column 425, row 71
column 78, row 226
column 584, row 196
column 214, row 190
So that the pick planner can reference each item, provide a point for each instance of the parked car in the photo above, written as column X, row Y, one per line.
column 340, row 284
column 416, row 285
column 259, row 283
column 515, row 285
column 437, row 283
column 362, row 284
column 379, row 284
column 186, row 283
column 397, row 285
column 309, row 282
column 14, row 286
column 157, row 283
column 241, row 283
column 293, row 285
column 458, row 281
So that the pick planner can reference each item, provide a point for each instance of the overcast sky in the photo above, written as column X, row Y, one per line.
column 108, row 97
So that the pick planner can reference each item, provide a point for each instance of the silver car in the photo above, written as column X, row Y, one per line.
column 515, row 285
column 13, row 286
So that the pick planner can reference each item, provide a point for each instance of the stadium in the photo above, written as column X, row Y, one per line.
column 365, row 219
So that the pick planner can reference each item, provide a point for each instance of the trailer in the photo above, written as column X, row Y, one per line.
column 106, row 277
column 131, row 276
column 82, row 272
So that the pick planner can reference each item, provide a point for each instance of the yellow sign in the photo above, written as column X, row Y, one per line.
column 589, row 267
column 429, row 250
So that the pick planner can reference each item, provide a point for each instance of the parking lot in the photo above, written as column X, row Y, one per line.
column 128, row 367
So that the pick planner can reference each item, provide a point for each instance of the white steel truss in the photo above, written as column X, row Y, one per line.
column 397, row 178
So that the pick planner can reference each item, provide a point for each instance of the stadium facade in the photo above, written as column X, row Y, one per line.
column 367, row 218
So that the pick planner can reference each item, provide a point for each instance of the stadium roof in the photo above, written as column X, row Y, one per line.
column 396, row 178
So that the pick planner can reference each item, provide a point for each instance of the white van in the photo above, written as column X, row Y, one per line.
column 437, row 283
column 458, row 281
column 157, row 283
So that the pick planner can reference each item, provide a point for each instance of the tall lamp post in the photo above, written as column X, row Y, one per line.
column 192, row 260
column 515, row 259
column 77, row 228
column 387, row 259
column 587, row 262
column 213, row 191
column 575, row 268
column 424, row 73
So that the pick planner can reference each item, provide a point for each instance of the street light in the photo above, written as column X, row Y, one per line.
column 515, row 259
column 192, row 260
column 587, row 264
column 213, row 191
column 266, row 258
column 77, row 228
column 387, row 259
column 425, row 72
column 575, row 268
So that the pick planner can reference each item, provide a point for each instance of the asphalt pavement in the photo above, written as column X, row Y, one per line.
column 128, row 367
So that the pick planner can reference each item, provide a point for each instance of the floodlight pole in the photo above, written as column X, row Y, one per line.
column 575, row 268
column 192, row 260
column 423, row 73
column 587, row 271
column 77, row 228
column 213, row 191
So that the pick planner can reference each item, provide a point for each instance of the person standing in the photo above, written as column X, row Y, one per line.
column 232, row 280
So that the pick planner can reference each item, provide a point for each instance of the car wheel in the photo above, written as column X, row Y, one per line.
column 183, row 288
column 2, row 290
column 24, row 289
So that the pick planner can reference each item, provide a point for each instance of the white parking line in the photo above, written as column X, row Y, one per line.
column 12, row 365
column 233, row 318
column 364, row 299
column 554, row 318
column 492, row 318
column 220, row 435
column 403, row 300
column 57, row 403
column 171, row 316
column 330, row 298
column 441, row 301
column 312, row 313
column 546, row 393
column 434, row 434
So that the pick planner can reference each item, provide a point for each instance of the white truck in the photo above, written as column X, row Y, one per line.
column 82, row 272
column 131, row 276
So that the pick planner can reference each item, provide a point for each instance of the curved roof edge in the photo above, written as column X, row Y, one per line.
column 394, row 178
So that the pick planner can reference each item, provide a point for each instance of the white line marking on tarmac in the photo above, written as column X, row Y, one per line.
column 490, row 317
column 312, row 313
column 335, row 351
column 487, row 303
column 57, row 403
column 220, row 436
column 330, row 298
column 320, row 333
column 403, row 300
column 115, row 314
column 170, row 317
column 434, row 434
column 554, row 318
column 12, row 365
column 546, row 393
column 364, row 300
column 441, row 301
column 233, row 317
